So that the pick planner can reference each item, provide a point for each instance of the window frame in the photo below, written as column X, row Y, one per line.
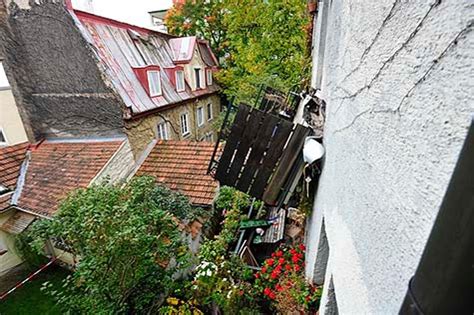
column 178, row 81
column 210, row 112
column 209, row 76
column 185, row 125
column 150, row 79
column 200, row 116
column 165, row 131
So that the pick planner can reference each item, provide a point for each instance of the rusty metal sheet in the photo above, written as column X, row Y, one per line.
column 119, row 54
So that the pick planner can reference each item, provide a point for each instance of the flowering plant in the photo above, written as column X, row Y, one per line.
column 282, row 282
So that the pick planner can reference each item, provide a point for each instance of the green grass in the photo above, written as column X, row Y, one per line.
column 30, row 300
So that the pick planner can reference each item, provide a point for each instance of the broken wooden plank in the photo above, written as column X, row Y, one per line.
column 285, row 165
column 237, row 129
column 269, row 124
column 250, row 134
column 271, row 158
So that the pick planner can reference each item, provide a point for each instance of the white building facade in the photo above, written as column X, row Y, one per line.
column 398, row 80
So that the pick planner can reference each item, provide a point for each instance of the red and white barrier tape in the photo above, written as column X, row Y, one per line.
column 31, row 276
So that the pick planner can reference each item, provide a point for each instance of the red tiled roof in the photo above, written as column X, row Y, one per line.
column 182, row 166
column 5, row 201
column 57, row 168
column 11, row 158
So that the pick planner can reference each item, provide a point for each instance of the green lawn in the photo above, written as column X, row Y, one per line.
column 30, row 300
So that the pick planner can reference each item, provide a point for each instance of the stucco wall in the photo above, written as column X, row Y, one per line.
column 142, row 131
column 397, row 78
column 10, row 121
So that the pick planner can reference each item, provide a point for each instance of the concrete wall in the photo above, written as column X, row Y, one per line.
column 143, row 130
column 10, row 121
column 397, row 77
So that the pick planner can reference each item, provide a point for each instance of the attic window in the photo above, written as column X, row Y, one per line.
column 180, row 81
column 154, row 82
column 209, row 76
column 197, row 74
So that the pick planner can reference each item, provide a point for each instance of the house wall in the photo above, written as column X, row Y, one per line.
column 10, row 259
column 10, row 121
column 397, row 78
column 142, row 131
column 55, row 74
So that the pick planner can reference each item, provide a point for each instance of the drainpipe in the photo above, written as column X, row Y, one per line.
column 444, row 280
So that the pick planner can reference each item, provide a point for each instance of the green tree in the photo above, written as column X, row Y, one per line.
column 127, row 242
column 261, row 42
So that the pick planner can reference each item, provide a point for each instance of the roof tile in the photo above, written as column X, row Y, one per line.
column 57, row 168
column 182, row 166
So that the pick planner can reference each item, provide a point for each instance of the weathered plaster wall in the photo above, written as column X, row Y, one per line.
column 398, row 80
column 7, row 241
column 142, row 131
column 57, row 75
column 10, row 120
column 119, row 167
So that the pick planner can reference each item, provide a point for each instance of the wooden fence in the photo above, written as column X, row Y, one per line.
column 259, row 153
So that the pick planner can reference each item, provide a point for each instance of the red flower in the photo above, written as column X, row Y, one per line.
column 288, row 267
column 297, row 268
column 272, row 295
column 264, row 269
column 257, row 275
column 241, row 292
column 292, row 251
column 308, row 298
column 274, row 274
column 295, row 259
column 273, row 254
column 281, row 261
column 270, row 262
column 278, row 287
column 267, row 291
column 279, row 253
column 302, row 247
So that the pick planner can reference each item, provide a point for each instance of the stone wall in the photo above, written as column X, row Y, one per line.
column 143, row 130
column 55, row 74
column 397, row 78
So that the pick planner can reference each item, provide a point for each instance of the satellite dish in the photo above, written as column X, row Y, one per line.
column 312, row 150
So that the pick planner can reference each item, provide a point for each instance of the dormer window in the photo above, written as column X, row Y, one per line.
column 199, row 78
column 154, row 82
column 209, row 76
column 180, row 87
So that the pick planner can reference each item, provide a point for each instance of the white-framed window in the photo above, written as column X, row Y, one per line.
column 3, row 78
column 197, row 77
column 180, row 87
column 209, row 112
column 154, row 82
column 3, row 139
column 162, row 131
column 184, row 119
column 200, row 116
column 209, row 76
